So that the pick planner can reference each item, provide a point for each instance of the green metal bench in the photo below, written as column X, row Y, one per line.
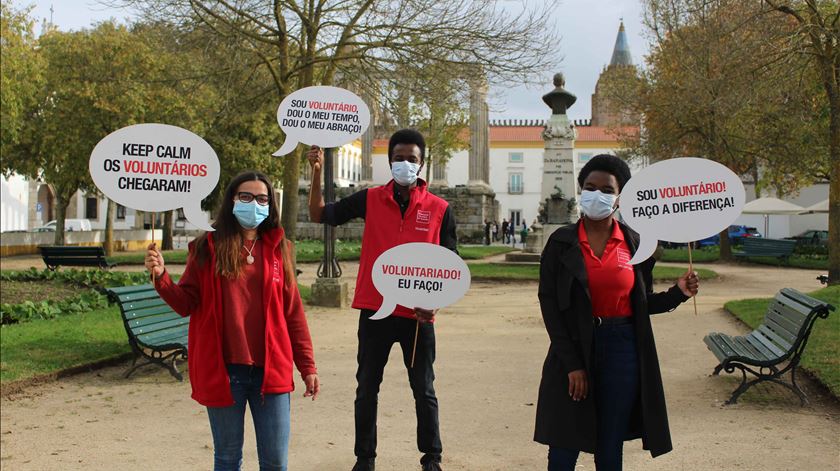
column 64, row 255
column 761, row 247
column 156, row 333
column 775, row 347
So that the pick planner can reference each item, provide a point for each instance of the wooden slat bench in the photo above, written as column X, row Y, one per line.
column 156, row 333
column 761, row 247
column 775, row 347
column 64, row 255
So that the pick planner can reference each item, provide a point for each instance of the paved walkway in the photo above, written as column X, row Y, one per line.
column 490, row 350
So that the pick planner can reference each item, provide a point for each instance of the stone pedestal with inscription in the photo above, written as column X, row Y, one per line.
column 559, row 187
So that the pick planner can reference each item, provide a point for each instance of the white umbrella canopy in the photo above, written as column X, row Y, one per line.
column 772, row 206
column 821, row 207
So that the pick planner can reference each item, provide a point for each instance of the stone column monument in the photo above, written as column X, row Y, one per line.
column 558, row 204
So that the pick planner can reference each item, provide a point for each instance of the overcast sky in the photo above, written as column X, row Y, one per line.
column 588, row 29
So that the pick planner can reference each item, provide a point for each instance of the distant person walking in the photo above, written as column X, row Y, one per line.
column 505, row 235
column 512, row 234
column 486, row 232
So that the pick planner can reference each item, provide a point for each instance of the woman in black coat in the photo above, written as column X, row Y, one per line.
column 600, row 381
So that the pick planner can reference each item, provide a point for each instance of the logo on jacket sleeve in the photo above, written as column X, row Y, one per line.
column 423, row 217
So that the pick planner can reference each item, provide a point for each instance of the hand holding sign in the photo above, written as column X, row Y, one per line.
column 680, row 200
column 323, row 116
column 420, row 275
column 156, row 167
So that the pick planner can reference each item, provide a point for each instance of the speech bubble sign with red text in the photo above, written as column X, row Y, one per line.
column 156, row 167
column 321, row 116
column 419, row 274
column 680, row 200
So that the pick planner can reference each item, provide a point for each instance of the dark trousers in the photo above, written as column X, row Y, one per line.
column 616, row 390
column 375, row 341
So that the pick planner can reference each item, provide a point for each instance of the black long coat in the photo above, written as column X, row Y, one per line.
column 567, row 312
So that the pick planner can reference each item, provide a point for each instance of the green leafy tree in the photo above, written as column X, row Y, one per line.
column 21, row 73
column 717, row 86
column 96, row 81
column 816, row 38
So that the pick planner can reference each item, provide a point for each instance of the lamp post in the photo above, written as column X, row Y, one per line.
column 329, row 289
column 329, row 267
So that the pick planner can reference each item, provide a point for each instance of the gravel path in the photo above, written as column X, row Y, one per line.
column 490, row 350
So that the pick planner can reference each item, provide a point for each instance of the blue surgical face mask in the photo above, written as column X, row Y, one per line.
column 404, row 172
column 596, row 205
column 250, row 215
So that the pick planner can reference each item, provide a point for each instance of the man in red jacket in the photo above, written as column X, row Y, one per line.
column 399, row 212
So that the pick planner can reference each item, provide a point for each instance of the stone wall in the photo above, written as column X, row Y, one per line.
column 26, row 243
column 471, row 206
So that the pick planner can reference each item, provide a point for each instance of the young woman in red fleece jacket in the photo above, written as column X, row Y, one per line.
column 247, row 323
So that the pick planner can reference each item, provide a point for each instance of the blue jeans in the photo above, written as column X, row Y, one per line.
column 271, row 423
column 616, row 390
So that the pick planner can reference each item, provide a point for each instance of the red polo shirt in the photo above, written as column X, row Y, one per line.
column 610, row 277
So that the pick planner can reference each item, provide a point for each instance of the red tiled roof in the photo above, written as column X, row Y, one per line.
column 516, row 133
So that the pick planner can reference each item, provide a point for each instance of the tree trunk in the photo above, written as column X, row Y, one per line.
column 289, row 211
column 168, row 228
column 725, row 246
column 61, row 204
column 109, row 227
column 834, row 191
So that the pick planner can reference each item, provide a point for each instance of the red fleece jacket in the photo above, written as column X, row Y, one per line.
column 198, row 295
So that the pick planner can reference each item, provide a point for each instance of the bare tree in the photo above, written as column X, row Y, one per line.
column 304, row 43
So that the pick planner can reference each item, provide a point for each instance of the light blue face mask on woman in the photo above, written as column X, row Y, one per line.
column 250, row 215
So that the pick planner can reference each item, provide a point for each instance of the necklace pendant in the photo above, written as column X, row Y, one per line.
column 249, row 259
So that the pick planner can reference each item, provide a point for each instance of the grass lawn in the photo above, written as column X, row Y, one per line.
column 178, row 257
column 712, row 254
column 703, row 255
column 311, row 251
column 822, row 353
column 501, row 271
column 795, row 261
column 45, row 346
column 306, row 250
column 476, row 252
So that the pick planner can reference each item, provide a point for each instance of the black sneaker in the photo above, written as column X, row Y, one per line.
column 432, row 466
column 364, row 465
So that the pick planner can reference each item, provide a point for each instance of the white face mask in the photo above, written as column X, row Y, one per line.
column 404, row 172
column 596, row 205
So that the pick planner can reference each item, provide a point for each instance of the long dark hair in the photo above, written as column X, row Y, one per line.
column 227, row 239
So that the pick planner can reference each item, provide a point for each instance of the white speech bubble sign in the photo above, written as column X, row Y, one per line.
column 321, row 116
column 156, row 167
column 680, row 200
column 419, row 274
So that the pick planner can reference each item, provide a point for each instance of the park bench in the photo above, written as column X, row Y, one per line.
column 761, row 247
column 62, row 255
column 156, row 333
column 775, row 347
